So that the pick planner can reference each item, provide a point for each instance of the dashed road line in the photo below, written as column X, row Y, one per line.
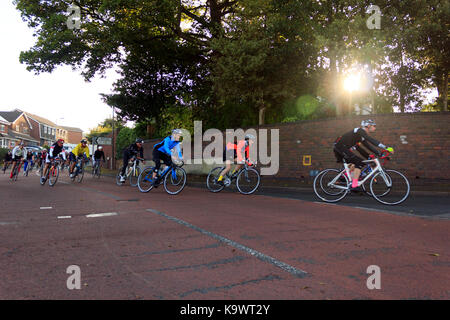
column 98, row 215
column 261, row 256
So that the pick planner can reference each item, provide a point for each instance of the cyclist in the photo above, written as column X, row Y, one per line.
column 28, row 161
column 235, row 152
column 345, row 144
column 98, row 155
column 131, row 152
column 163, row 151
column 55, row 150
column 80, row 150
column 19, row 154
column 7, row 160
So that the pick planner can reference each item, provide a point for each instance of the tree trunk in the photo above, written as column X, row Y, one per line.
column 262, row 113
column 445, row 93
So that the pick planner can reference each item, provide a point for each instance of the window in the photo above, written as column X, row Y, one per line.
column 45, row 130
column 2, row 128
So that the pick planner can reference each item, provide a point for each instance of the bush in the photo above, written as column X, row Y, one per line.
column 3, row 152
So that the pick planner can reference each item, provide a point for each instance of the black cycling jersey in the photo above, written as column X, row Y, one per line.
column 133, row 150
column 351, row 139
column 55, row 150
column 8, row 157
column 99, row 155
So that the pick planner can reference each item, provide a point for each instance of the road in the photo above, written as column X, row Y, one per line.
column 201, row 246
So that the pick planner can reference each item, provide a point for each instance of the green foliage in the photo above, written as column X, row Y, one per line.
column 3, row 152
column 244, row 62
column 125, row 137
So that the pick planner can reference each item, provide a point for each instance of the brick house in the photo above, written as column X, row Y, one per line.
column 43, row 129
column 72, row 135
column 16, row 126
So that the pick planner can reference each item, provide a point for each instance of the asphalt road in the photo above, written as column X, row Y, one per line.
column 199, row 245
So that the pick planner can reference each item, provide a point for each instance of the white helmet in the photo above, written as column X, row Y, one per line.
column 368, row 122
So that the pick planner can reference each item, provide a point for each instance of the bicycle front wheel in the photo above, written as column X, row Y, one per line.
column 53, row 176
column 390, row 187
column 80, row 175
column 134, row 176
column 175, row 180
column 248, row 181
column 145, row 180
column 331, row 185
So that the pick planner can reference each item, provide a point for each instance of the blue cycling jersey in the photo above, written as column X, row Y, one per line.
column 167, row 145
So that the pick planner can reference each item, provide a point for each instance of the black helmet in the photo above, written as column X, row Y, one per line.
column 139, row 140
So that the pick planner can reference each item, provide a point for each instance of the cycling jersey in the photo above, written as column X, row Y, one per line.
column 8, row 157
column 351, row 138
column 19, row 153
column 241, row 148
column 167, row 145
column 55, row 150
column 99, row 155
column 79, row 150
column 133, row 150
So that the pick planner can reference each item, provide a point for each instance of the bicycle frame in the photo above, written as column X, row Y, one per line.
column 378, row 168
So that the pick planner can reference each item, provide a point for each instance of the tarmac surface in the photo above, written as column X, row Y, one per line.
column 280, row 244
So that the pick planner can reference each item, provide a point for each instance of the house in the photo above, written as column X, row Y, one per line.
column 70, row 135
column 44, row 130
column 16, row 126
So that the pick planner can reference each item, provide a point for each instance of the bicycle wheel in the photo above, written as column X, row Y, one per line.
column 390, row 187
column 175, row 180
column 98, row 172
column 248, row 181
column 211, row 180
column 80, row 175
column 53, row 176
column 145, row 180
column 134, row 176
column 330, row 185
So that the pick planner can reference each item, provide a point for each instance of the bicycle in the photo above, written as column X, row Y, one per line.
column 174, row 182
column 132, row 172
column 96, row 170
column 247, row 179
column 52, row 172
column 388, row 187
column 29, row 167
column 16, row 170
column 78, row 172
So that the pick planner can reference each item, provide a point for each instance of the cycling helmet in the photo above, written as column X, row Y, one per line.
column 100, row 147
column 368, row 122
column 60, row 140
column 177, row 131
column 250, row 137
column 84, row 141
column 139, row 140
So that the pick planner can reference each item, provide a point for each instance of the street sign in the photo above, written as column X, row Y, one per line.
column 104, row 141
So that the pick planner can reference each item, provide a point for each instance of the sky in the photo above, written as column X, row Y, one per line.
column 62, row 96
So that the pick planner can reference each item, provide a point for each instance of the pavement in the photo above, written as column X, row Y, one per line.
column 276, row 244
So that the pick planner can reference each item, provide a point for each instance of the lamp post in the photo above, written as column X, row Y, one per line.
column 113, row 142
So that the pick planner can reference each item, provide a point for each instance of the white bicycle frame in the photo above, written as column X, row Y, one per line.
column 133, row 168
column 378, row 168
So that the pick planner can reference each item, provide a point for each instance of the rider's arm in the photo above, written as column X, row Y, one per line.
column 180, row 155
column 373, row 141
column 240, row 150
column 368, row 146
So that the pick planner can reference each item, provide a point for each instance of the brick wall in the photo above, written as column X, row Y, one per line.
column 421, row 142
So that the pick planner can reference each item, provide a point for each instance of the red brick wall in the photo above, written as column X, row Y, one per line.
column 425, row 157
column 74, row 137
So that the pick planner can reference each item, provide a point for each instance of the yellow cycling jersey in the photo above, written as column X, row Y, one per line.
column 79, row 150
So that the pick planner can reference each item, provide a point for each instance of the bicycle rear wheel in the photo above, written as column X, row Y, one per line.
column 145, row 180
column 175, row 180
column 390, row 187
column 211, row 180
column 331, row 185
column 80, row 175
column 247, row 182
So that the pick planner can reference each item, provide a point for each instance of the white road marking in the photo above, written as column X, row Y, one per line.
column 64, row 217
column 45, row 208
column 97, row 215
column 261, row 256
